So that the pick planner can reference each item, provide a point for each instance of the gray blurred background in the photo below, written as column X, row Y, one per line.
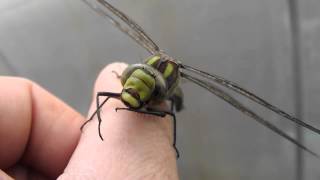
column 63, row 44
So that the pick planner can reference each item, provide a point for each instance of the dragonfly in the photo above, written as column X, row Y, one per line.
column 158, row 79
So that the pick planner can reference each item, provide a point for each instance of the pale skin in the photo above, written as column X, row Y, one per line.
column 40, row 136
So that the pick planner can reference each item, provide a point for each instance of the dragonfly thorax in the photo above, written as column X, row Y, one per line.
column 169, row 68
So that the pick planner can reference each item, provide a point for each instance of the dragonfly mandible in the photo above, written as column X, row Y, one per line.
column 158, row 79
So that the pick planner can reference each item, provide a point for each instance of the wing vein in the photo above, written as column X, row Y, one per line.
column 130, row 22
column 235, row 87
column 132, row 34
column 236, row 104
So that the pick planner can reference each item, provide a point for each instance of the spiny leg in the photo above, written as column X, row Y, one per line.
column 99, row 114
column 94, row 113
column 159, row 113
column 172, row 111
column 177, row 100
column 117, row 74
column 174, row 119
column 98, row 105
column 172, row 105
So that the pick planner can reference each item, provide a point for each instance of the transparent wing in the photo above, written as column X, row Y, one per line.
column 131, row 28
column 236, row 104
column 233, row 86
column 8, row 65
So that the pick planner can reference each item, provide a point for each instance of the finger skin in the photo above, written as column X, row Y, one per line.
column 15, row 119
column 36, row 128
column 4, row 176
column 135, row 146
column 24, row 173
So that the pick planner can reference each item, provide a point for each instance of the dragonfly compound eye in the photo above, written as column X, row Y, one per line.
column 131, row 98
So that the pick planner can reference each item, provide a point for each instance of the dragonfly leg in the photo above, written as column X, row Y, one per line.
column 142, row 111
column 97, row 111
column 177, row 100
column 174, row 119
column 160, row 113
column 172, row 105
column 117, row 74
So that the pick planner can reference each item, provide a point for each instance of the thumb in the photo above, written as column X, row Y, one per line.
column 135, row 146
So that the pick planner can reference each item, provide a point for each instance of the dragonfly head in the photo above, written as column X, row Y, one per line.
column 138, row 85
column 131, row 98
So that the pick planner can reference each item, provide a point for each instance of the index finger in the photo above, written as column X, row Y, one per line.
column 36, row 128
column 135, row 146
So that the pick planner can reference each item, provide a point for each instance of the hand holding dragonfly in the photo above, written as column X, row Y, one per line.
column 40, row 137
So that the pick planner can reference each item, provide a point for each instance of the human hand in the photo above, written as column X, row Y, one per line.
column 40, row 136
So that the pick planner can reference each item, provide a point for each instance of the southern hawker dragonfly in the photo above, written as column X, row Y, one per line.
column 158, row 79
